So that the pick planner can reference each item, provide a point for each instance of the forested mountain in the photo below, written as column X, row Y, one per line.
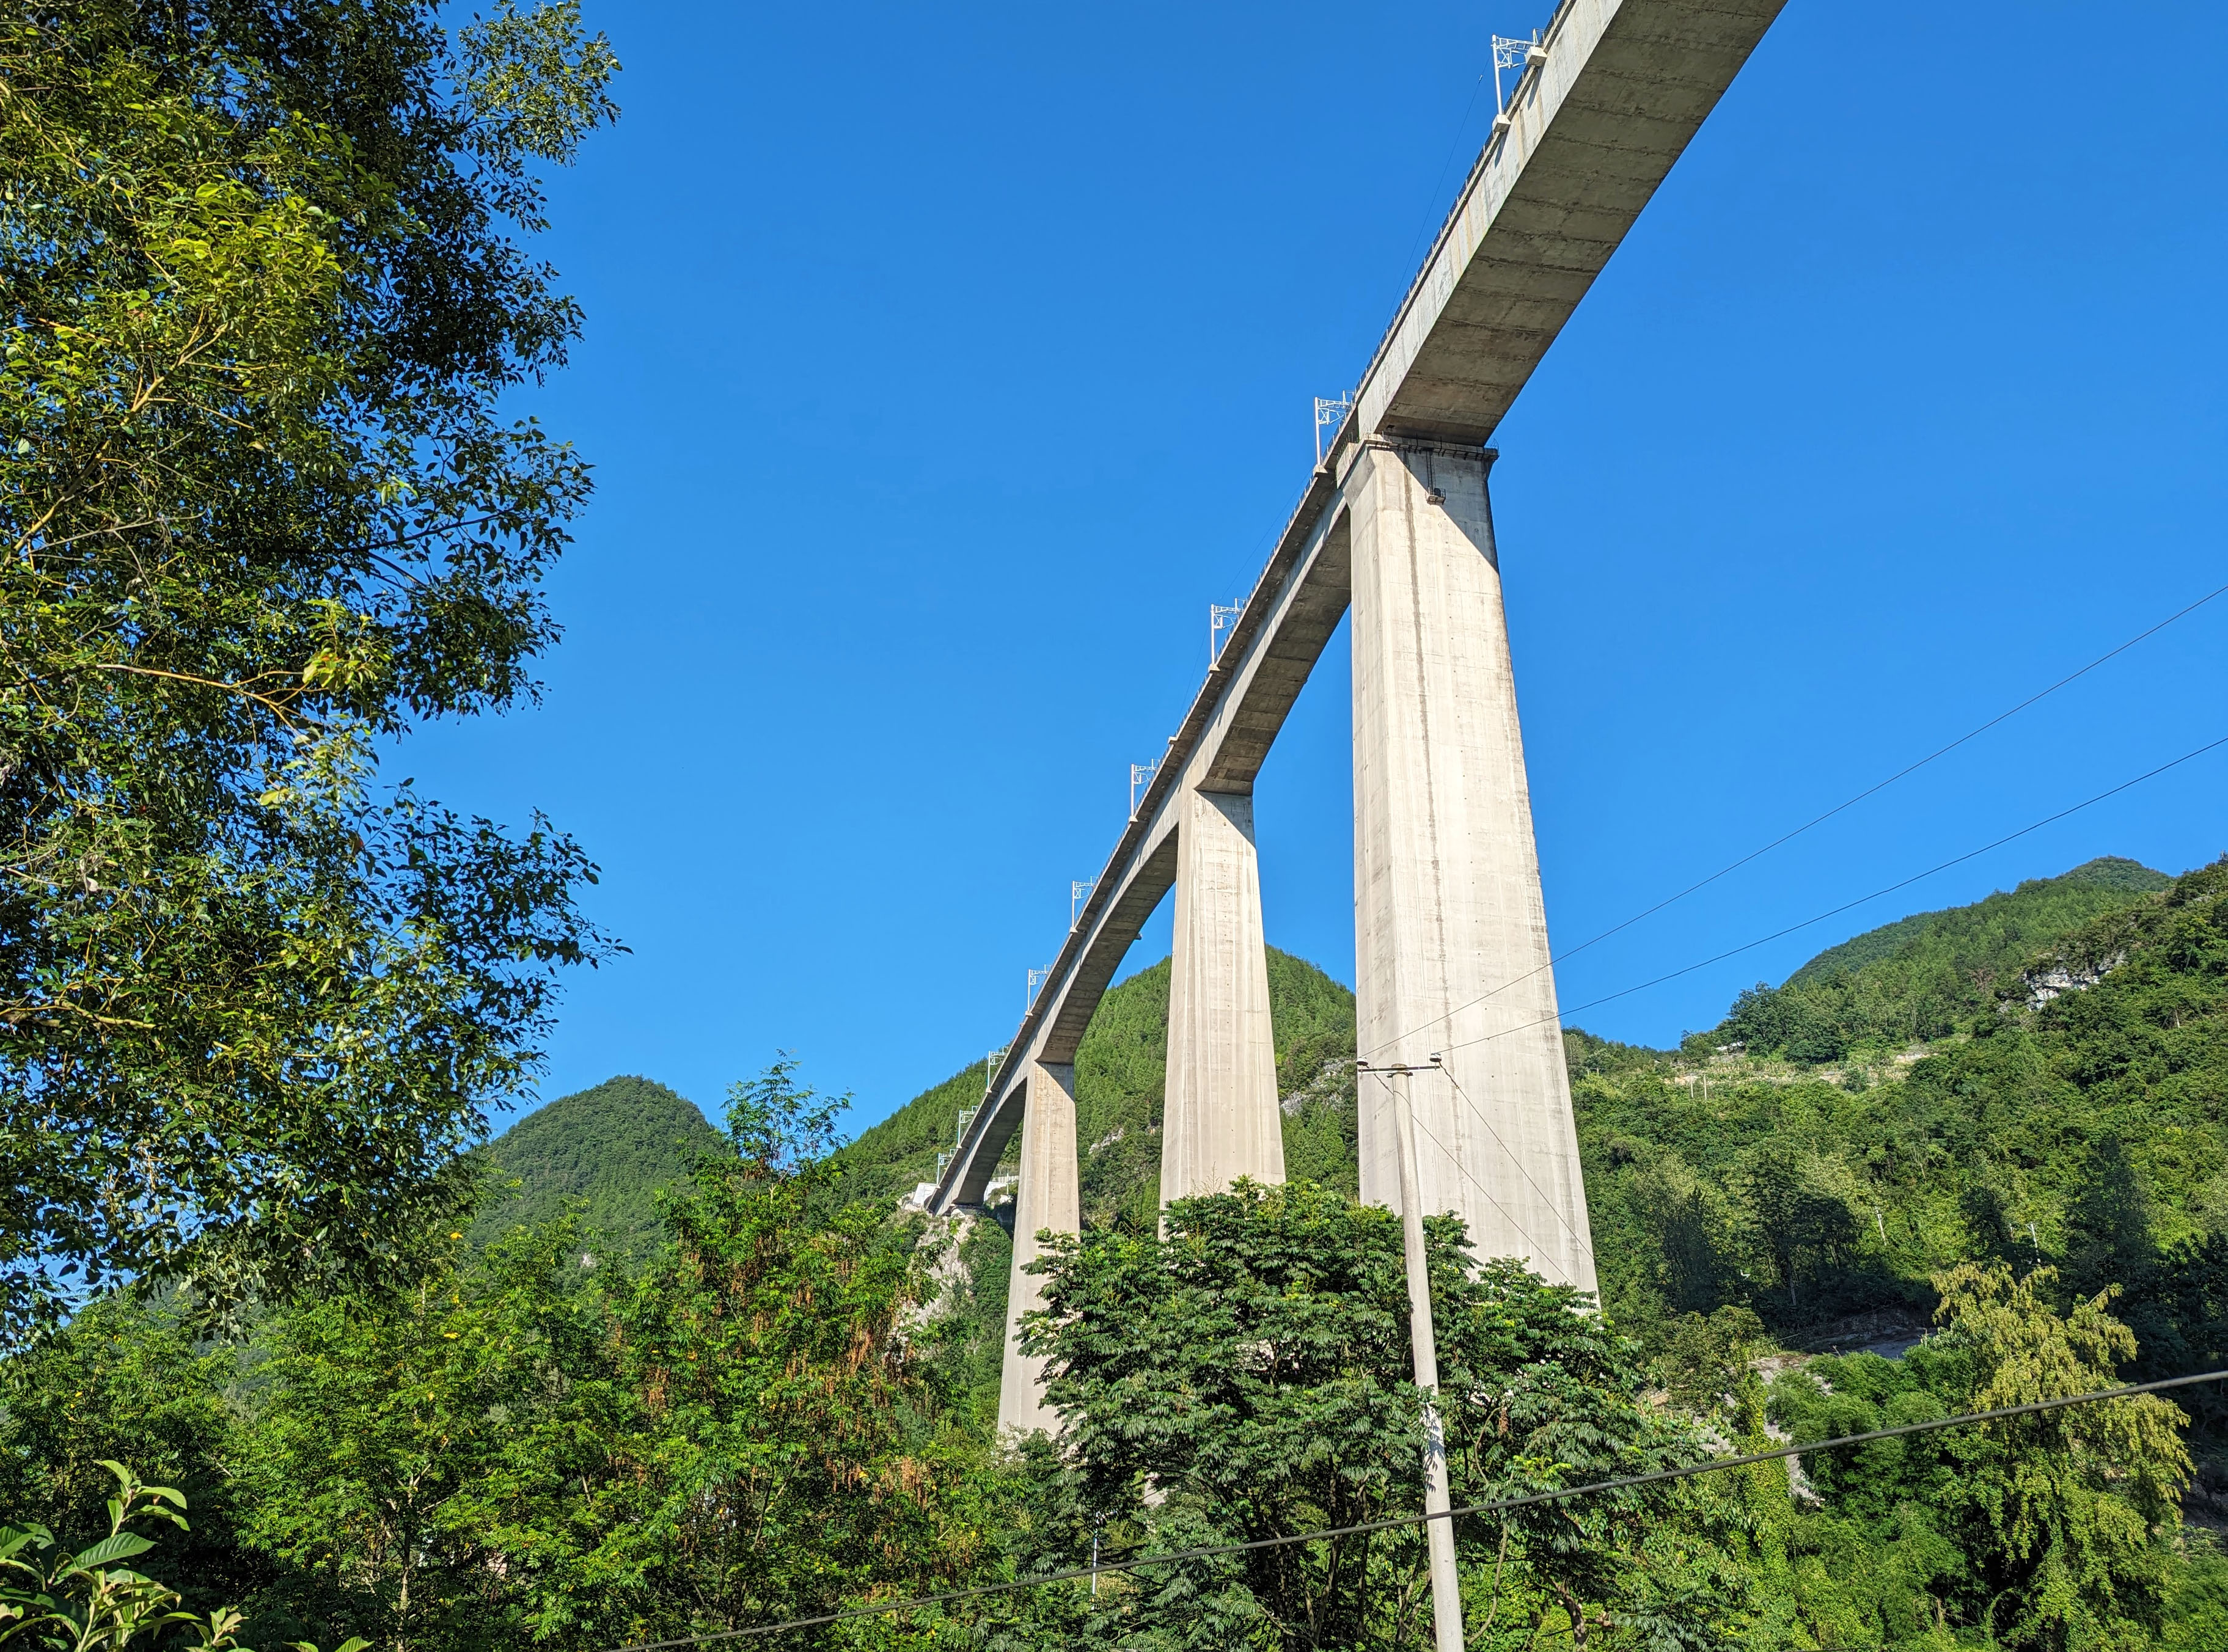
column 2073, row 1115
column 606, row 1152
column 1927, row 976
column 1846, row 1094
column 1120, row 1071
column 1933, row 1103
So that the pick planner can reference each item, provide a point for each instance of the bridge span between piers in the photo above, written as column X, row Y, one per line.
column 1451, row 954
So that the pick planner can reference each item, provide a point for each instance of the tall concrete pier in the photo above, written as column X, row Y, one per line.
column 1046, row 1199
column 1452, row 955
column 1219, row 1120
column 1450, row 932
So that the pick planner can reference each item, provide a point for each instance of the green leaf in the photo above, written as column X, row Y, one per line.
column 122, row 1545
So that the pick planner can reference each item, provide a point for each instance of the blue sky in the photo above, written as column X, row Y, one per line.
column 943, row 364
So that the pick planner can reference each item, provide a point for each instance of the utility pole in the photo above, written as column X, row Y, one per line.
column 1221, row 618
column 1446, row 1585
column 1330, row 413
column 1141, row 774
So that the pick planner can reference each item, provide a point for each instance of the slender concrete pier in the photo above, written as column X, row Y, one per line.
column 1219, row 1121
column 1048, row 1197
column 1450, row 932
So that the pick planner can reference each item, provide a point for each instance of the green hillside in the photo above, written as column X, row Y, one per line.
column 607, row 1151
column 1927, row 976
column 1909, row 1098
column 2075, row 1116
column 1120, row 1072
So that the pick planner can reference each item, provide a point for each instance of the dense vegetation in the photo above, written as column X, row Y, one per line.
column 2078, row 1125
column 521, row 1448
column 1248, row 1375
column 601, row 1155
column 1120, row 1071
column 1927, row 976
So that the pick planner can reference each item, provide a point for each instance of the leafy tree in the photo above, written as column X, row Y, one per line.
column 2048, row 1531
column 1795, row 1203
column 123, row 1383
column 1706, row 1362
column 264, row 292
column 1687, row 1219
column 2108, row 1230
column 800, row 1455
column 432, row 1468
column 88, row 1601
column 2196, row 1614
column 1247, row 1376
column 2070, row 1504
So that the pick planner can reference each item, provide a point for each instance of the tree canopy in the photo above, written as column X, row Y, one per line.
column 265, row 290
column 1247, row 1375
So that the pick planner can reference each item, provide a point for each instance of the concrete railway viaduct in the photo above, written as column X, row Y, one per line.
column 1452, row 962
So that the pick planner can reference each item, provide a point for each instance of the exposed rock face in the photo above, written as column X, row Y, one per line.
column 1333, row 1082
column 2064, row 977
column 946, row 1235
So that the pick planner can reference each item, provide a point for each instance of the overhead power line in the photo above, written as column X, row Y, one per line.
column 1498, row 1506
column 1846, row 906
column 1842, row 807
column 1449, row 1156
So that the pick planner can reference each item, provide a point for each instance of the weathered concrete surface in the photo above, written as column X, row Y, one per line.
column 1220, row 1119
column 1048, row 1198
column 1451, row 932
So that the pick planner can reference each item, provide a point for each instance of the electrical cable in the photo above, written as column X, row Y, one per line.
column 1478, row 1113
column 1463, row 1170
column 1820, row 820
column 1833, row 911
column 1454, row 148
column 1561, row 1494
